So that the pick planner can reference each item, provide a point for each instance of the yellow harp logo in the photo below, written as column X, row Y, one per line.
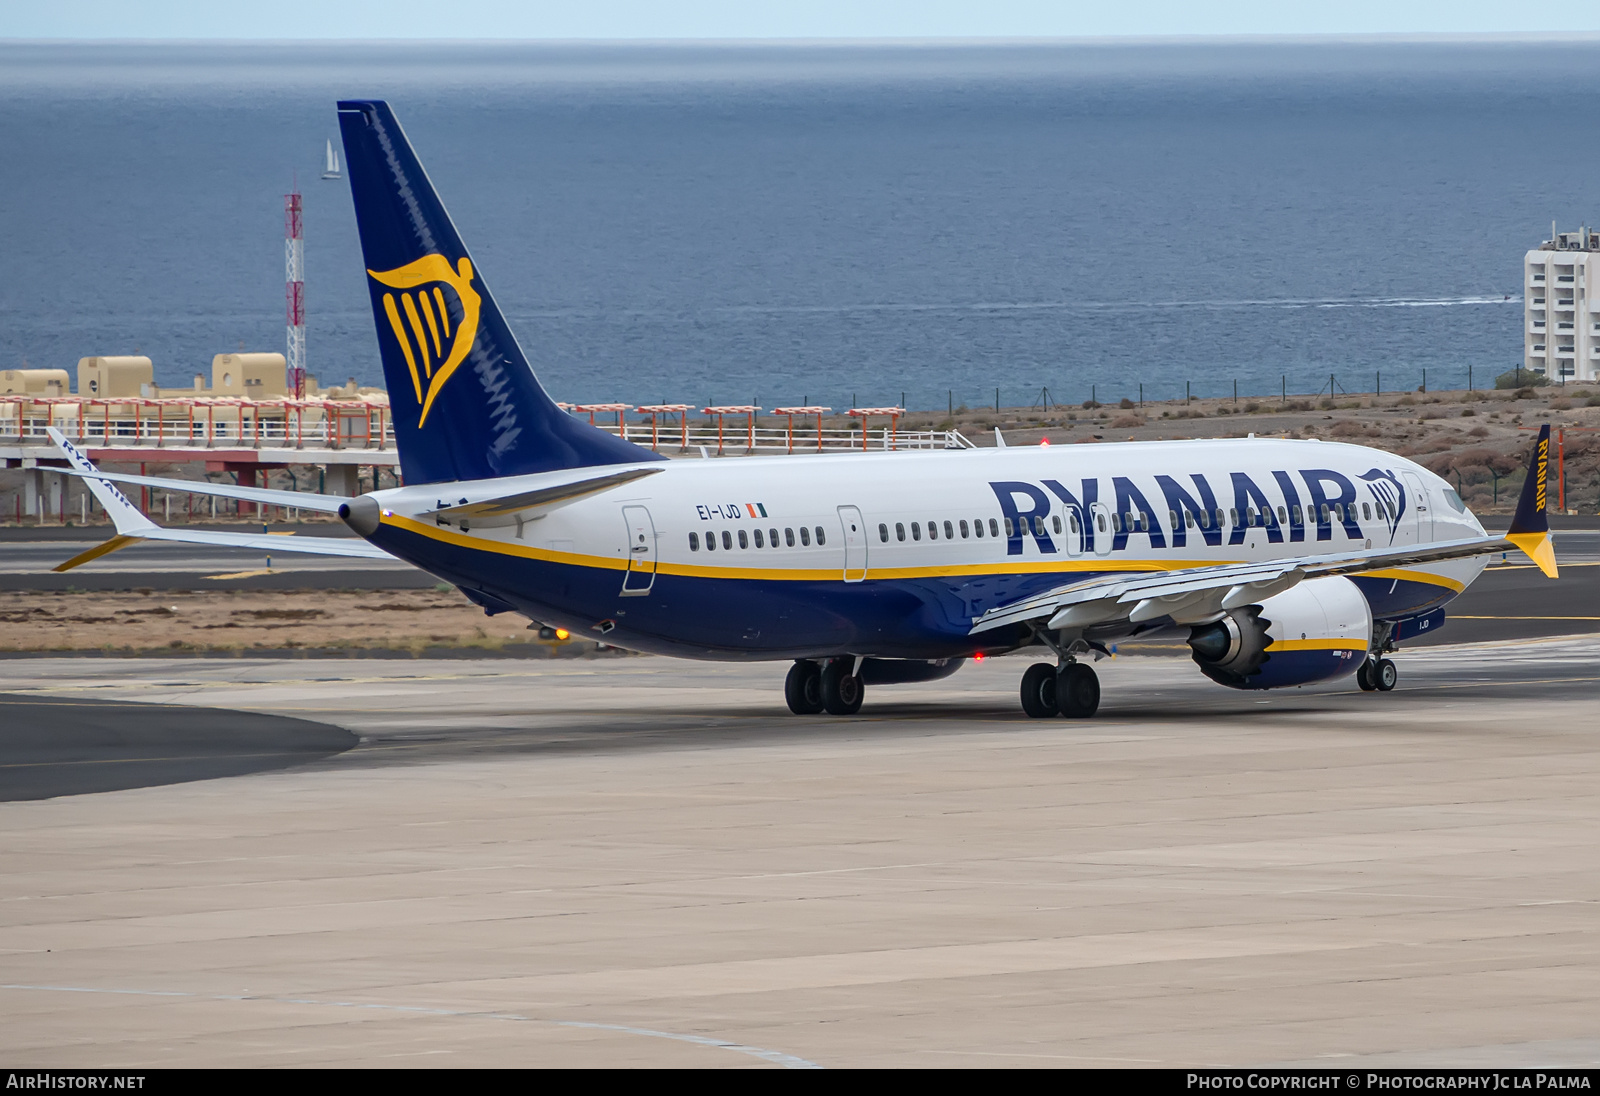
column 432, row 348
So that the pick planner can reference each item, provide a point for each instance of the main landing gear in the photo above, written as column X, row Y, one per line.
column 1377, row 674
column 834, row 688
column 1071, row 690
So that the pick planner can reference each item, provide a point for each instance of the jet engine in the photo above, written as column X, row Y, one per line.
column 1316, row 631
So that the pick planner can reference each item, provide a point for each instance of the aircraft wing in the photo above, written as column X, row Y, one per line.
column 1197, row 594
column 133, row 527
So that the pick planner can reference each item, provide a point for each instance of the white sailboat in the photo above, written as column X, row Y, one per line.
column 332, row 171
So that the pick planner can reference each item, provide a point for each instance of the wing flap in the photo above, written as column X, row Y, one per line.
column 1188, row 593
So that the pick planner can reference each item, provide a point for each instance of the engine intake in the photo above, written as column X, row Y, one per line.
column 1316, row 631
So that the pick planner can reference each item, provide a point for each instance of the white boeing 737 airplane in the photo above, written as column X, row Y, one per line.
column 1280, row 562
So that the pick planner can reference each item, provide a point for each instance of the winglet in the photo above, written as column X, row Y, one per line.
column 1530, row 529
column 124, row 514
column 118, row 541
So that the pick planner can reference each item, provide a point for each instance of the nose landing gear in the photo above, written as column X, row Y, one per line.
column 1071, row 690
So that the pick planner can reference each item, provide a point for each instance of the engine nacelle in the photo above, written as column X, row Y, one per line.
column 1317, row 631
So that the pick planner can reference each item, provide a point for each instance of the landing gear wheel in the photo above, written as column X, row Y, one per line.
column 842, row 691
column 803, row 688
column 1077, row 691
column 1364, row 676
column 1039, row 690
column 1384, row 675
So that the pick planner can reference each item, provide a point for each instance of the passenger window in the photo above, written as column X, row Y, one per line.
column 1221, row 517
column 1282, row 517
column 1172, row 518
column 805, row 536
column 1055, row 520
column 1295, row 517
column 772, row 537
column 788, row 537
column 759, row 543
column 1010, row 531
column 744, row 541
column 994, row 527
column 1324, row 514
column 1116, row 522
column 1100, row 520
column 694, row 542
column 1188, row 519
column 711, row 542
column 883, row 532
column 821, row 537
column 916, row 531
column 1233, row 515
column 899, row 531
column 949, row 531
column 1366, row 511
column 727, row 540
column 933, row 530
column 977, row 528
column 1038, row 526
column 1072, row 521
column 964, row 530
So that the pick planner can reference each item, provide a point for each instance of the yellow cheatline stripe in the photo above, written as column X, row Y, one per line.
column 1065, row 566
column 1315, row 645
column 791, row 574
column 97, row 551
column 1406, row 575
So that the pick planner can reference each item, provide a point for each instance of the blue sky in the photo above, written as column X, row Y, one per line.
column 778, row 18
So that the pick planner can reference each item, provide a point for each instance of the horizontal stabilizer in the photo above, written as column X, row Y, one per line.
column 503, row 509
column 300, row 500
column 132, row 526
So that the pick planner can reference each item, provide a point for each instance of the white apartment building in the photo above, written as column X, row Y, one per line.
column 1561, row 322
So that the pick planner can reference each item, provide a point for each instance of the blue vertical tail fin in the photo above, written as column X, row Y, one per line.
column 466, row 403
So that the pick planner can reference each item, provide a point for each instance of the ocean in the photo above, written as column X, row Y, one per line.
column 834, row 223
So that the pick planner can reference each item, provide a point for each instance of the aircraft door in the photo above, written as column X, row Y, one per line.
column 1075, row 535
column 641, row 572
column 855, row 543
column 1421, row 512
column 1100, row 532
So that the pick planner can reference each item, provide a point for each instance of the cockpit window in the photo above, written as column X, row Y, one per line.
column 1454, row 500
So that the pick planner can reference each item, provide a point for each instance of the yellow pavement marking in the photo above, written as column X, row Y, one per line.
column 1463, row 616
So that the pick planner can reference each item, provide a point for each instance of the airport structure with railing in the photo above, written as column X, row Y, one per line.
column 245, row 423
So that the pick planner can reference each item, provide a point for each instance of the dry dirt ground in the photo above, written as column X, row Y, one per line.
column 267, row 620
column 1466, row 437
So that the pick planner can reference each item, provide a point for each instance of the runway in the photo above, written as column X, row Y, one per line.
column 646, row 862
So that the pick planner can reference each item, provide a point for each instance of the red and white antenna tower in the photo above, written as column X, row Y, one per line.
column 294, row 292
